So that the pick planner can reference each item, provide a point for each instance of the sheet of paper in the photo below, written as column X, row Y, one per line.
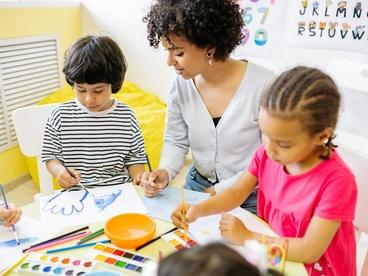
column 98, row 204
column 30, row 231
column 162, row 205
column 206, row 229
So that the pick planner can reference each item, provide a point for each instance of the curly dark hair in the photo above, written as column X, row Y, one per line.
column 94, row 59
column 204, row 23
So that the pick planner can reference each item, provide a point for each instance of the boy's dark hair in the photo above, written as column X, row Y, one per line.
column 204, row 23
column 212, row 259
column 306, row 94
column 95, row 59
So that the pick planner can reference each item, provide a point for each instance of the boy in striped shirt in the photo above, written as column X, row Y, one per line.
column 94, row 139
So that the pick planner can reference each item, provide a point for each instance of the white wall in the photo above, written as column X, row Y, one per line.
column 147, row 67
column 123, row 19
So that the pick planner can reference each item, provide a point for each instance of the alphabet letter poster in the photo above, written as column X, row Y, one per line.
column 329, row 24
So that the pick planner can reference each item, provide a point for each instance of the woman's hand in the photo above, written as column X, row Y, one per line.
column 67, row 179
column 233, row 229
column 182, row 216
column 210, row 190
column 154, row 182
column 11, row 215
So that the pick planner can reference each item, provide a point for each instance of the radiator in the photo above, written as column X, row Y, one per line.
column 29, row 70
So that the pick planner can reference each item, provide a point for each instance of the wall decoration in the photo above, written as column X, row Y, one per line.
column 264, row 25
column 329, row 24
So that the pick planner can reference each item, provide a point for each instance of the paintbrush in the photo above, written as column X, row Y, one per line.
column 184, row 213
column 7, row 207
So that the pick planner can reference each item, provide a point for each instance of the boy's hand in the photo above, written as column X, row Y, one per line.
column 191, row 214
column 10, row 216
column 233, row 229
column 154, row 182
column 66, row 180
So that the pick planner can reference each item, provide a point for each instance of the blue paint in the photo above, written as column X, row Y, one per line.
column 105, row 200
column 13, row 242
column 56, row 208
column 47, row 269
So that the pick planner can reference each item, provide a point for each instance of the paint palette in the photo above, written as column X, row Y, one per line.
column 44, row 264
column 177, row 239
column 116, row 258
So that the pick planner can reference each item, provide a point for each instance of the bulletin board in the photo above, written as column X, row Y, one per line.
column 331, row 25
column 264, row 28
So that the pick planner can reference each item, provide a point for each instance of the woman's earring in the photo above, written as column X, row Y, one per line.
column 210, row 56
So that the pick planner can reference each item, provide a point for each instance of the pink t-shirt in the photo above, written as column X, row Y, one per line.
column 288, row 203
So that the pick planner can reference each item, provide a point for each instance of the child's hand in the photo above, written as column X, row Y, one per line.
column 10, row 216
column 154, row 182
column 233, row 229
column 66, row 180
column 191, row 214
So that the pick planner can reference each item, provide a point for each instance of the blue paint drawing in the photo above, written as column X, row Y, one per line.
column 13, row 242
column 64, row 205
column 105, row 200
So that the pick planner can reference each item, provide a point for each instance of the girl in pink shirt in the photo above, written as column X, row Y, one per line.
column 307, row 194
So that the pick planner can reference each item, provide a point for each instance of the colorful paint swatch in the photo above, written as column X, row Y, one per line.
column 118, row 259
column 177, row 240
column 45, row 264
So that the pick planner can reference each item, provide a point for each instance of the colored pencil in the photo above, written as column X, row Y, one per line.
column 58, row 237
column 7, row 207
column 184, row 212
column 63, row 240
column 92, row 235
column 155, row 239
column 10, row 268
column 75, row 246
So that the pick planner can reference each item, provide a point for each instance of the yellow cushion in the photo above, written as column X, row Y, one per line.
column 148, row 108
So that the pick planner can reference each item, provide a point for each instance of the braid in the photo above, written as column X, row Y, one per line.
column 306, row 94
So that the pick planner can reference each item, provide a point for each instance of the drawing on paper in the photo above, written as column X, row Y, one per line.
column 62, row 204
column 103, row 201
column 13, row 242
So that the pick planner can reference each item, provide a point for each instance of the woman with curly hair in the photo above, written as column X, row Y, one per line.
column 213, row 103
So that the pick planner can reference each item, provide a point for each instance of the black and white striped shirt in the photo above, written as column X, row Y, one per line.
column 98, row 144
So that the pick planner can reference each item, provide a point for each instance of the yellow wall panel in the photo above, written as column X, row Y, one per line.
column 27, row 21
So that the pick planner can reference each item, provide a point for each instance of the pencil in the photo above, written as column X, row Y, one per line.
column 92, row 235
column 6, row 272
column 75, row 246
column 155, row 239
column 183, row 210
column 58, row 237
column 63, row 240
column 148, row 163
column 7, row 207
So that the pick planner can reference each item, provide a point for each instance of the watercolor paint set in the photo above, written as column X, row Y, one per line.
column 118, row 259
column 44, row 264
column 177, row 239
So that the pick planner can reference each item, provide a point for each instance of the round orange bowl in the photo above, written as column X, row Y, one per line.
column 130, row 230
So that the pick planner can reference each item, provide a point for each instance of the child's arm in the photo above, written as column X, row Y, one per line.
column 11, row 215
column 64, row 178
column 227, row 200
column 135, row 172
